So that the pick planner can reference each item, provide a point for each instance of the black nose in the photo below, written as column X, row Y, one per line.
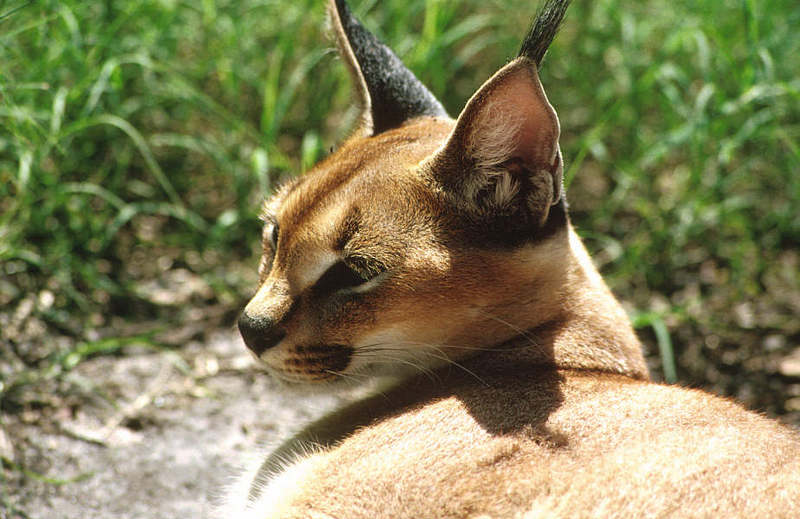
column 260, row 334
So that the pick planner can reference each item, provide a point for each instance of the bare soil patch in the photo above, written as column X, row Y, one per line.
column 181, row 424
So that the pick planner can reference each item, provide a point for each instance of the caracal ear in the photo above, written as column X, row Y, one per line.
column 503, row 155
column 388, row 92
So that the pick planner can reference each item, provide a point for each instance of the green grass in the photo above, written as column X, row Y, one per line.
column 138, row 137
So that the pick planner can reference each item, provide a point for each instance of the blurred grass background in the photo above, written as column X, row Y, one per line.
column 138, row 138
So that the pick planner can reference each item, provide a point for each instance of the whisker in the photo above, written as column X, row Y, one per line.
column 448, row 346
column 448, row 360
column 355, row 378
column 442, row 356
column 381, row 358
column 520, row 331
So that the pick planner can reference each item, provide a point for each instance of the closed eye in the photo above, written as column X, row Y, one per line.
column 348, row 273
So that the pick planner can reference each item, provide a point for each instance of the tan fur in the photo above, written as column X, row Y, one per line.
column 525, row 392
column 536, row 443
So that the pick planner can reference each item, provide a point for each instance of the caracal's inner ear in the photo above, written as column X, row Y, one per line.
column 503, row 155
column 389, row 93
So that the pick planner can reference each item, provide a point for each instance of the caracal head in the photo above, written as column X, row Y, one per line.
column 421, row 239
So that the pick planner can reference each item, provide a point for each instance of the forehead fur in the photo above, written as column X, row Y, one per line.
column 360, row 179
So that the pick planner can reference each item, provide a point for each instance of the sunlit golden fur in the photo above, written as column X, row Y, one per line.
column 522, row 389
column 450, row 294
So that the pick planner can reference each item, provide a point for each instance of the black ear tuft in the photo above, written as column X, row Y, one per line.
column 394, row 94
column 543, row 30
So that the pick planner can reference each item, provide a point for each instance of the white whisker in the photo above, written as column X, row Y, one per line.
column 381, row 348
column 356, row 378
column 520, row 331
column 378, row 356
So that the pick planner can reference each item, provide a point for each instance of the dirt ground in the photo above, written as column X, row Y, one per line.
column 187, row 420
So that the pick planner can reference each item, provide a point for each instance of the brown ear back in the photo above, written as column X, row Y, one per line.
column 504, row 149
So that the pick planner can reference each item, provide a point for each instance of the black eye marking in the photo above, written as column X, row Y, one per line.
column 348, row 273
column 348, row 228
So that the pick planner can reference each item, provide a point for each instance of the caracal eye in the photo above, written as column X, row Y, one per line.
column 350, row 272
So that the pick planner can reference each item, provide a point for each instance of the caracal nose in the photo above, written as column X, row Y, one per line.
column 259, row 333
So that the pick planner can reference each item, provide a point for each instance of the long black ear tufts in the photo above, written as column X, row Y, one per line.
column 395, row 94
column 543, row 30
